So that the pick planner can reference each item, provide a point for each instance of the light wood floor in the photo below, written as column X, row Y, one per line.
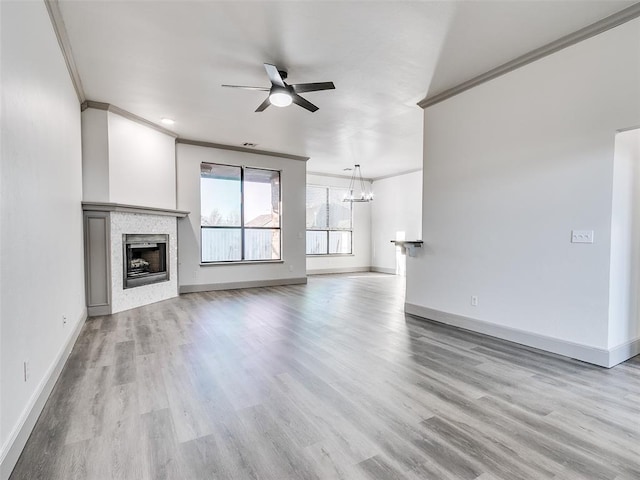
column 329, row 380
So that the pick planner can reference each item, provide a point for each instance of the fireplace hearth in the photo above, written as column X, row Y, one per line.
column 145, row 259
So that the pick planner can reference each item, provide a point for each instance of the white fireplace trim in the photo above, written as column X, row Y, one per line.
column 136, row 223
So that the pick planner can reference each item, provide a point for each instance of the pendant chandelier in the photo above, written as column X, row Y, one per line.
column 362, row 195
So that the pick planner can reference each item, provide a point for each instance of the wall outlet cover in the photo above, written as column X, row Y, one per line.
column 581, row 236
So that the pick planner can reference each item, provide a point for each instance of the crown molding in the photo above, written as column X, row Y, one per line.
column 628, row 129
column 235, row 148
column 128, row 115
column 143, row 121
column 372, row 179
column 337, row 175
column 391, row 175
column 589, row 31
column 53, row 8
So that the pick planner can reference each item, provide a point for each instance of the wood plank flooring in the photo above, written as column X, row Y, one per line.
column 325, row 381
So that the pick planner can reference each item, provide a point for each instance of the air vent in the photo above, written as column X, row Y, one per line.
column 249, row 145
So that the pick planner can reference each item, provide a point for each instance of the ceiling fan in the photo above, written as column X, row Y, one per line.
column 281, row 94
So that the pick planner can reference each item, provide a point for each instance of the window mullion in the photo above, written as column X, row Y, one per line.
column 328, row 219
column 242, row 231
column 327, row 208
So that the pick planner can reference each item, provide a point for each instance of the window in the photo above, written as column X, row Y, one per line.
column 239, row 213
column 329, row 224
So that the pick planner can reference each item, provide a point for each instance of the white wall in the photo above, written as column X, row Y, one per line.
column 95, row 156
column 396, row 214
column 624, row 313
column 142, row 169
column 510, row 168
column 191, row 273
column 126, row 162
column 41, row 239
column 360, row 260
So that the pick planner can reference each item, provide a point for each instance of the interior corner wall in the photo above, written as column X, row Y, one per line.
column 192, row 276
column 360, row 260
column 142, row 164
column 41, row 217
column 126, row 162
column 624, row 308
column 396, row 214
column 511, row 167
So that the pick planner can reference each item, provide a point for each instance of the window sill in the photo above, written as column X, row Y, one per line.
column 322, row 255
column 241, row 262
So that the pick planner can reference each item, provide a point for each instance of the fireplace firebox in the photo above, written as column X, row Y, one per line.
column 145, row 259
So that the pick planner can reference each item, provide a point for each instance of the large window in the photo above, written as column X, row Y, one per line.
column 239, row 213
column 329, row 224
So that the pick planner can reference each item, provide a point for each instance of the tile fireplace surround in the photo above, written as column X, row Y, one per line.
column 105, row 225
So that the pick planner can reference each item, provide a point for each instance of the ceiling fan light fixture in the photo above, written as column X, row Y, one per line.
column 280, row 99
column 281, row 94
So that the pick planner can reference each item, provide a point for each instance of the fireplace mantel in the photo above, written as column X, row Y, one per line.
column 119, row 207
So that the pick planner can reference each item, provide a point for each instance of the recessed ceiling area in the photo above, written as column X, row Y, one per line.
column 169, row 59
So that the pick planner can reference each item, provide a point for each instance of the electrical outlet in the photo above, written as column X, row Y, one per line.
column 64, row 320
column 581, row 236
column 474, row 300
column 291, row 268
column 26, row 371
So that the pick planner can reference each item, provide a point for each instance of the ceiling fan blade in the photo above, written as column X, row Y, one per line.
column 312, row 87
column 263, row 105
column 262, row 89
column 298, row 100
column 274, row 75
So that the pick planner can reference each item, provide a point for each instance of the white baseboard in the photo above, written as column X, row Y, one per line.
column 14, row 445
column 390, row 271
column 328, row 271
column 624, row 352
column 237, row 285
column 597, row 356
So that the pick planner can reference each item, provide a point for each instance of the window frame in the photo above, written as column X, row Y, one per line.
column 328, row 230
column 242, row 227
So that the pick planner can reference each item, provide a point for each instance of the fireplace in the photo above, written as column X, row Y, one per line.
column 145, row 259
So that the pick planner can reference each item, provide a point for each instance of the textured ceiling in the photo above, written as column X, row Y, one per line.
column 169, row 58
